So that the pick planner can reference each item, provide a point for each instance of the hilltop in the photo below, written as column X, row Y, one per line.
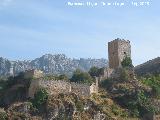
column 149, row 67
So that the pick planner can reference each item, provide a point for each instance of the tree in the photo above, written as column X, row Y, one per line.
column 62, row 77
column 96, row 72
column 93, row 71
column 40, row 97
column 127, row 62
column 82, row 77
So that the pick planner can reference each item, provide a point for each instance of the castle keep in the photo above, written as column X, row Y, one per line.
column 118, row 49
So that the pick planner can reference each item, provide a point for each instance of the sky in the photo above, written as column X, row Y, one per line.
column 32, row 28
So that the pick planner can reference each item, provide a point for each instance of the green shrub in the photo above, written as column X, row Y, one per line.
column 156, row 90
column 154, row 82
column 115, row 110
column 40, row 97
column 81, row 77
column 96, row 72
column 79, row 106
column 127, row 62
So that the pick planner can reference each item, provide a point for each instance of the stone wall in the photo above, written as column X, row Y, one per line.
column 108, row 72
column 62, row 86
column 56, row 86
column 34, row 85
column 94, row 88
column 33, row 74
column 80, row 89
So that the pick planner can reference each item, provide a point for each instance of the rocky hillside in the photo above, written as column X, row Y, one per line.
column 149, row 67
column 50, row 64
column 120, row 98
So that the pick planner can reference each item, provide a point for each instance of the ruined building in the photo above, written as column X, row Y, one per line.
column 54, row 87
column 58, row 86
column 33, row 74
column 118, row 49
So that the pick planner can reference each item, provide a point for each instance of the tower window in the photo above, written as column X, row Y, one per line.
column 125, row 53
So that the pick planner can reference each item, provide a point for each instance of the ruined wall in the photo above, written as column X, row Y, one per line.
column 56, row 86
column 108, row 72
column 33, row 88
column 93, row 88
column 117, row 50
column 60, row 86
column 33, row 73
column 80, row 89
column 38, row 74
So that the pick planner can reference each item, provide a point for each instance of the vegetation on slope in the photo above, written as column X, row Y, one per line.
column 121, row 98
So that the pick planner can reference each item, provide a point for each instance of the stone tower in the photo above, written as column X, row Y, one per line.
column 118, row 49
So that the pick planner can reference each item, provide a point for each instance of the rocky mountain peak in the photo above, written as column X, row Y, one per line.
column 50, row 64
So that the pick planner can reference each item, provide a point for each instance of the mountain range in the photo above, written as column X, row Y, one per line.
column 61, row 64
column 50, row 64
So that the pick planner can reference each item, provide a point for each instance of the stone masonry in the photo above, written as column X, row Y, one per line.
column 33, row 74
column 61, row 86
column 118, row 49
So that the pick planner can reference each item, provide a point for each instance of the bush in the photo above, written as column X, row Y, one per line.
column 106, row 84
column 40, row 98
column 156, row 91
column 79, row 106
column 96, row 72
column 154, row 82
column 127, row 62
column 81, row 77
column 62, row 77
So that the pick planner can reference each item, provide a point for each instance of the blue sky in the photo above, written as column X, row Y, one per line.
column 31, row 28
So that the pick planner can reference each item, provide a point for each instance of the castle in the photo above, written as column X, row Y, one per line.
column 117, row 50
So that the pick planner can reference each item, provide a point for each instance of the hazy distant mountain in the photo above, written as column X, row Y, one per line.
column 50, row 64
column 149, row 67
